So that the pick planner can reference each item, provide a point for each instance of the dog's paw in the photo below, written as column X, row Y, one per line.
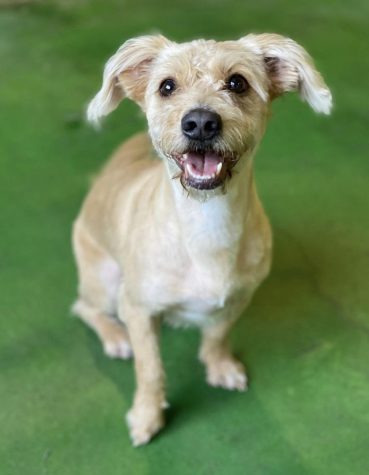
column 118, row 348
column 115, row 340
column 144, row 421
column 228, row 374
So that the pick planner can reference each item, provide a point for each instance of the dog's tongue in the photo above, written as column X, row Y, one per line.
column 203, row 164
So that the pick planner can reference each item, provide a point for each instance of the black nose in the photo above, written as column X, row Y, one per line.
column 201, row 124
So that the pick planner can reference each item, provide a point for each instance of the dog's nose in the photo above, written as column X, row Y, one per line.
column 201, row 124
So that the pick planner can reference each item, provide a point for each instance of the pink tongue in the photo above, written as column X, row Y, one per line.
column 204, row 164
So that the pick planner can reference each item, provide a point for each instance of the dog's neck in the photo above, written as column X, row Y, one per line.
column 216, row 224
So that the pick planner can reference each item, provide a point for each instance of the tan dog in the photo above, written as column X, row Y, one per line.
column 177, row 230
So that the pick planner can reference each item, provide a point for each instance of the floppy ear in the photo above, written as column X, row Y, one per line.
column 126, row 75
column 290, row 68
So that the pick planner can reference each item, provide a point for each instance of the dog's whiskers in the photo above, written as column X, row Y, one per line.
column 175, row 177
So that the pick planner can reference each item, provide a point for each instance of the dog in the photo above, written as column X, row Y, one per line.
column 173, row 228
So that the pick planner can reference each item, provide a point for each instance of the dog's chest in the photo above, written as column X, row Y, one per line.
column 203, row 293
column 201, row 275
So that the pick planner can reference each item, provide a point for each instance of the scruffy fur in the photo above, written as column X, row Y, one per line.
column 147, row 246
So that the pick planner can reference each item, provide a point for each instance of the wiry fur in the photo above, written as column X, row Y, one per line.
column 148, row 247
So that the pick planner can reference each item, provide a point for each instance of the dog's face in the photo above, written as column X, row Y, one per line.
column 207, row 102
column 206, row 105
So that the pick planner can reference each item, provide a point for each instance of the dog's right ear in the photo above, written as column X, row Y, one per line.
column 126, row 75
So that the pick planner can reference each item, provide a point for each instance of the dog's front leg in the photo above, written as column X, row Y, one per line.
column 145, row 418
column 222, row 368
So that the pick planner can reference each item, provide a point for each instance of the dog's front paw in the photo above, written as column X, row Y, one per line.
column 144, row 421
column 227, row 373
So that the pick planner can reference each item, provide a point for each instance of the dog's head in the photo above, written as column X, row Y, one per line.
column 207, row 102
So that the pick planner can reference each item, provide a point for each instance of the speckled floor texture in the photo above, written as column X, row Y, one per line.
column 305, row 338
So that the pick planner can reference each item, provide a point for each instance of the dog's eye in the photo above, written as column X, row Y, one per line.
column 167, row 87
column 237, row 83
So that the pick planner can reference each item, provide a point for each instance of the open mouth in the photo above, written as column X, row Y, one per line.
column 205, row 170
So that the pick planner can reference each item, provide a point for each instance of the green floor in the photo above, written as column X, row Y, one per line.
column 306, row 336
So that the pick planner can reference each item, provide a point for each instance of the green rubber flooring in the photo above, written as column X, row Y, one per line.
column 305, row 338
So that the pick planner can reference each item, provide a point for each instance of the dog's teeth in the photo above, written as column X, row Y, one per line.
column 219, row 167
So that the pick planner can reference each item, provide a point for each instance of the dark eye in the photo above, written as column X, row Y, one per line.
column 167, row 87
column 237, row 83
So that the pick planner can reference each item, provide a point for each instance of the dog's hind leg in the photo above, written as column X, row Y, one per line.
column 99, row 279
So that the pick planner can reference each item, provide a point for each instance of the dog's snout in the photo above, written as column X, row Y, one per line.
column 201, row 124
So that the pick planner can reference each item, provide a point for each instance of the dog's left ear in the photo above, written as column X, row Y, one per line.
column 290, row 68
column 126, row 74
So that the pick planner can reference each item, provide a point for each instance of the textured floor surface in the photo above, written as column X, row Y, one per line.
column 305, row 337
